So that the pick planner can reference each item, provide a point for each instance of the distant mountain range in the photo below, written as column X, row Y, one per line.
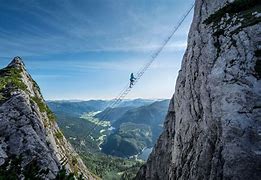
column 149, row 114
column 136, row 129
column 137, row 125
column 112, row 114
column 77, row 108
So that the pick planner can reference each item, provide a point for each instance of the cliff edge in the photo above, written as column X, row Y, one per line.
column 213, row 128
column 31, row 144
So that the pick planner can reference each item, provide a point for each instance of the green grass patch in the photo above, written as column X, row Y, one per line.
column 44, row 108
column 74, row 160
column 90, row 117
column 232, row 8
column 59, row 135
column 63, row 175
column 36, row 86
column 240, row 15
column 11, row 77
column 40, row 104
column 108, row 167
column 2, row 97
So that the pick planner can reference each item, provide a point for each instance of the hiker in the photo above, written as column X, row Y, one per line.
column 132, row 79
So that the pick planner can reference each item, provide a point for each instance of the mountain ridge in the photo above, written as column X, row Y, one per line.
column 32, row 145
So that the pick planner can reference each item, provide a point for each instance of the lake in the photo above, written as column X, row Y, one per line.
column 145, row 154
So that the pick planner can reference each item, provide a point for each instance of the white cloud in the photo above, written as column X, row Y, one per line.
column 70, row 29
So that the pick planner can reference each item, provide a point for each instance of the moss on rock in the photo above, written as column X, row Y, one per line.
column 232, row 8
column 10, row 76
column 44, row 108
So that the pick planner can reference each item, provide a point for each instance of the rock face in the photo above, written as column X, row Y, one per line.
column 31, row 144
column 213, row 128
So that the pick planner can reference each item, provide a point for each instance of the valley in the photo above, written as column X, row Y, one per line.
column 203, row 54
column 111, row 142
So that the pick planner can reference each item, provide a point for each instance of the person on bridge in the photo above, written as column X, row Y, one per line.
column 132, row 79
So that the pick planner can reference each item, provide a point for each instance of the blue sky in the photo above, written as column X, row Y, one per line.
column 86, row 49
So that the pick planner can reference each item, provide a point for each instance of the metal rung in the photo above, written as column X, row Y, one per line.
column 140, row 73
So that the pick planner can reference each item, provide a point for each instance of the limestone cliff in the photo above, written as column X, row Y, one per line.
column 213, row 128
column 31, row 144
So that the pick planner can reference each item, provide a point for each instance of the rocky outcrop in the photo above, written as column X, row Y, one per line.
column 31, row 144
column 213, row 128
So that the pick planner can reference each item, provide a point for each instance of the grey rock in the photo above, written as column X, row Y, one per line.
column 28, row 134
column 213, row 127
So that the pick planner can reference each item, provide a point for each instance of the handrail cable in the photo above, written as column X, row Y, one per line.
column 142, row 70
